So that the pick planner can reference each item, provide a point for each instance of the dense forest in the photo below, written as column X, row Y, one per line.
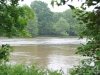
column 48, row 23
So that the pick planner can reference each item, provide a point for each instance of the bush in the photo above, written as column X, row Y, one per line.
column 86, row 67
column 5, row 53
column 19, row 69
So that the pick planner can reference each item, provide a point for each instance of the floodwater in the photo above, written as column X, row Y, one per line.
column 53, row 53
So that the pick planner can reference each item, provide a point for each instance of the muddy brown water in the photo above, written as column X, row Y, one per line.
column 53, row 53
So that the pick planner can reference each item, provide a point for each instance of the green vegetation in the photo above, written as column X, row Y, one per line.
column 5, row 53
column 36, row 20
column 61, row 27
column 13, row 21
column 19, row 69
column 13, row 18
column 32, row 27
column 48, row 23
column 91, row 30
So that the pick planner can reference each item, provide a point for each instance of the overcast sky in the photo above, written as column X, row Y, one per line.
column 55, row 8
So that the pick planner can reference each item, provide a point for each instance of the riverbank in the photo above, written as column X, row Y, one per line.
column 56, row 37
column 43, row 37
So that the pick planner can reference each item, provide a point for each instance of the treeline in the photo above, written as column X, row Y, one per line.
column 48, row 23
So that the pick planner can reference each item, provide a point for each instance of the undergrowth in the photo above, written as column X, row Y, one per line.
column 20, row 69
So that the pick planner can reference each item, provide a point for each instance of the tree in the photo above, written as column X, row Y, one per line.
column 32, row 27
column 56, row 16
column 91, row 30
column 44, row 16
column 13, row 18
column 61, row 27
column 13, row 21
column 74, row 25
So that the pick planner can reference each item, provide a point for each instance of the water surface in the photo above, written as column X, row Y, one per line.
column 53, row 53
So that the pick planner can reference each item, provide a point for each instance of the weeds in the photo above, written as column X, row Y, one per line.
column 20, row 69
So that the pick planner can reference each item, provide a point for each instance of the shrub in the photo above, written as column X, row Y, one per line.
column 19, row 69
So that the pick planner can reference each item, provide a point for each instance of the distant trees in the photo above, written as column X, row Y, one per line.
column 47, row 23
column 61, row 27
column 32, row 27
column 44, row 16
column 72, row 22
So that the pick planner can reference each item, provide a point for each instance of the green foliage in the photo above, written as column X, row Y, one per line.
column 85, row 68
column 44, row 16
column 47, row 20
column 91, row 31
column 28, row 12
column 32, row 27
column 13, row 19
column 58, row 3
column 20, row 69
column 5, row 53
column 74, row 24
column 61, row 27
column 72, row 7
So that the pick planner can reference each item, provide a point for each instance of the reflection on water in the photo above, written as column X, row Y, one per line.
column 52, row 53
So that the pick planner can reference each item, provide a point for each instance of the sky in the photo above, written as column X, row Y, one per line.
column 55, row 8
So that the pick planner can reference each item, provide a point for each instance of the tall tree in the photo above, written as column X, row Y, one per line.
column 72, row 22
column 44, row 16
column 61, row 27
column 13, row 21
column 56, row 16
column 13, row 18
column 33, row 26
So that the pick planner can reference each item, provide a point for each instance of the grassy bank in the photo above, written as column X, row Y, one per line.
column 39, row 37
column 56, row 37
column 20, row 69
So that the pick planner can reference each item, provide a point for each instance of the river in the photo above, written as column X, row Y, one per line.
column 53, row 53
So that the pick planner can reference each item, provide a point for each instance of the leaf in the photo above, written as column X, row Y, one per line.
column 52, row 3
column 63, row 1
column 97, row 7
column 72, row 7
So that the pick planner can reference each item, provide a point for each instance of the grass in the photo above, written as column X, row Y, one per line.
column 19, row 69
column 56, row 37
column 47, row 37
